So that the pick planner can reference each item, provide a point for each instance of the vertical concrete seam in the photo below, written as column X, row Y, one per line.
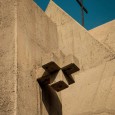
column 15, row 59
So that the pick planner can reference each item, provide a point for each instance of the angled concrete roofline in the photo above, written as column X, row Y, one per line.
column 109, row 22
column 67, row 24
column 30, row 41
column 51, row 1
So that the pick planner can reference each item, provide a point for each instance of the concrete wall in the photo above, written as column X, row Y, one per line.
column 8, row 62
column 73, row 38
column 36, row 33
column 93, row 91
column 105, row 34
column 26, row 33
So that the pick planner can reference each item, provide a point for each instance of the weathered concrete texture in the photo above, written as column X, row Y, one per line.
column 25, row 34
column 93, row 92
column 73, row 38
column 8, row 65
column 36, row 35
column 105, row 34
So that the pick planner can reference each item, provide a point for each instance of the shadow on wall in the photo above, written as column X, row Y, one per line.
column 51, row 100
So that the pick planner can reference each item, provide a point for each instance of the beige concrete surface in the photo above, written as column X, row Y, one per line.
column 105, row 34
column 73, row 38
column 93, row 92
column 36, row 33
column 102, row 31
column 26, row 33
column 8, row 61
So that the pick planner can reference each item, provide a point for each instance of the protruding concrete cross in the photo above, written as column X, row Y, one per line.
column 80, row 2
column 52, row 70
column 58, row 76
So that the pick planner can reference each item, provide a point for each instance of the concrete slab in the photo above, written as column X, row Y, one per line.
column 105, row 34
column 73, row 38
column 36, row 33
column 8, row 57
column 92, row 92
column 23, row 41
column 26, row 35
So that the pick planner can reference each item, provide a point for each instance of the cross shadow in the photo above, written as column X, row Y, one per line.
column 51, row 100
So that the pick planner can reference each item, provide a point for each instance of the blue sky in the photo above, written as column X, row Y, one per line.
column 99, row 11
